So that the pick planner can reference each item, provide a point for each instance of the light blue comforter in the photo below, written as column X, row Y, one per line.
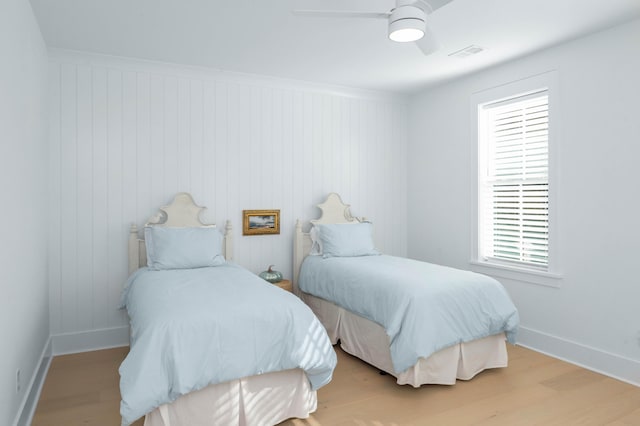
column 196, row 327
column 423, row 307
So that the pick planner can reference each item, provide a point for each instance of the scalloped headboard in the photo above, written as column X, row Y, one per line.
column 183, row 212
column 333, row 211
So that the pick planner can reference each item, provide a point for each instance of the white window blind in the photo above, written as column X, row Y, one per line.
column 514, row 181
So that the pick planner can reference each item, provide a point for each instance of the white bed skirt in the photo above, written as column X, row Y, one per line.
column 266, row 399
column 368, row 341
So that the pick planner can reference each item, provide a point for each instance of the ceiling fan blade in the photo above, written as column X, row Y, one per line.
column 428, row 43
column 341, row 14
column 432, row 5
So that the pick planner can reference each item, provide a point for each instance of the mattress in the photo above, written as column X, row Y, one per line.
column 368, row 341
column 192, row 328
column 423, row 307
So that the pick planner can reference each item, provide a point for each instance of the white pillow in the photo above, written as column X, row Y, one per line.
column 346, row 240
column 183, row 248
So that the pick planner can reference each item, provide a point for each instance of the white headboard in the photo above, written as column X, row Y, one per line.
column 333, row 211
column 181, row 213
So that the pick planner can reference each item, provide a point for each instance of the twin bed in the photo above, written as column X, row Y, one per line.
column 421, row 323
column 211, row 343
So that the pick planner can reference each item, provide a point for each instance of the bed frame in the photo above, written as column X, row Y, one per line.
column 263, row 399
column 183, row 212
column 368, row 340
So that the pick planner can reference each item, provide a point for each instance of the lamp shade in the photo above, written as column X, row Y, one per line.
column 406, row 23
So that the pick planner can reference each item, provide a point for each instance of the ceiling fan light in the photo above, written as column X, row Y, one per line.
column 406, row 23
column 404, row 31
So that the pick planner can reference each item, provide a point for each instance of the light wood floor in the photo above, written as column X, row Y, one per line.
column 82, row 389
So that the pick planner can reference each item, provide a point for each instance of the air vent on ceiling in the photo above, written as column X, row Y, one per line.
column 467, row 51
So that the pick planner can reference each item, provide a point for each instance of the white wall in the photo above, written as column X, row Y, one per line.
column 594, row 317
column 127, row 135
column 24, row 306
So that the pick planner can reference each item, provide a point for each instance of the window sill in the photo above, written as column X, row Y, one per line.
column 547, row 279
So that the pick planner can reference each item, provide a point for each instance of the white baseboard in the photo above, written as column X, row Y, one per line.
column 31, row 397
column 61, row 344
column 616, row 366
column 93, row 340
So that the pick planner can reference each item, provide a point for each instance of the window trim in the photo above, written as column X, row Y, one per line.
column 550, row 276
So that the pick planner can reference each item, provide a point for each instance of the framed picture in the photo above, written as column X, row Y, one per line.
column 260, row 222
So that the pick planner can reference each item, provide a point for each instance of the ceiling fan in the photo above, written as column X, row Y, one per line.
column 407, row 21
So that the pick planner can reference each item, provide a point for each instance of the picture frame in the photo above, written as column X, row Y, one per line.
column 260, row 222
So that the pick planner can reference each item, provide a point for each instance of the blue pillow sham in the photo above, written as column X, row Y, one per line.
column 346, row 240
column 183, row 248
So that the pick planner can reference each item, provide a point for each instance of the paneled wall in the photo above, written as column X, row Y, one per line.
column 127, row 135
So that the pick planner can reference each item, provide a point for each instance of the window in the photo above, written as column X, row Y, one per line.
column 514, row 180
column 514, row 220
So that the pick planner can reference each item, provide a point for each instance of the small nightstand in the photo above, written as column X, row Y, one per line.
column 285, row 285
